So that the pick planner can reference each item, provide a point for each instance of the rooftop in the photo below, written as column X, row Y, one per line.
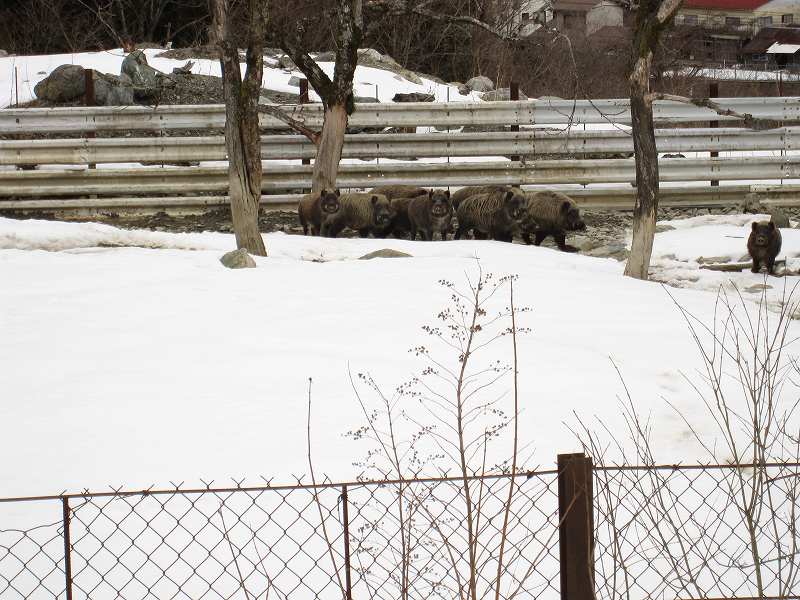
column 725, row 4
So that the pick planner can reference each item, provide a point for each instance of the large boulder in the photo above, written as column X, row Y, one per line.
column 67, row 83
column 480, row 83
column 110, row 90
column 64, row 84
column 145, row 78
column 238, row 259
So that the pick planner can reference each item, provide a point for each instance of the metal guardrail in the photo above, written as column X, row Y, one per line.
column 452, row 114
column 397, row 145
column 605, row 198
column 192, row 180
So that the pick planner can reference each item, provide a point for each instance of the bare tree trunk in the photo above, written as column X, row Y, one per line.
column 644, row 148
column 242, row 140
column 336, row 94
column 329, row 151
column 651, row 18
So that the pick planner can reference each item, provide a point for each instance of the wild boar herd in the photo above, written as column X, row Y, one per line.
column 486, row 212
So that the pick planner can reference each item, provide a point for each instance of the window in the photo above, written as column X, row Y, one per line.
column 764, row 21
column 526, row 17
column 690, row 19
column 787, row 19
column 733, row 21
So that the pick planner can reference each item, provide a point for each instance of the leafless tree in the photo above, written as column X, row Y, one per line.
column 242, row 139
column 652, row 16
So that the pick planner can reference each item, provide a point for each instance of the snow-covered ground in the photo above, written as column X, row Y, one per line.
column 368, row 82
column 135, row 357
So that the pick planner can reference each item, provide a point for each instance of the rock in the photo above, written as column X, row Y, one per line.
column 284, row 62
column 462, row 89
column 673, row 155
column 110, row 90
column 238, row 259
column 364, row 99
column 413, row 97
column 65, row 83
column 369, row 57
column 751, row 205
column 710, row 260
column 663, row 228
column 480, row 84
column 3, row 53
column 779, row 218
column 585, row 243
column 385, row 253
column 615, row 250
column 370, row 54
column 184, row 70
column 501, row 94
column 294, row 81
column 145, row 78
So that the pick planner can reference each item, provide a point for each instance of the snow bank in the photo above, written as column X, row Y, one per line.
column 138, row 365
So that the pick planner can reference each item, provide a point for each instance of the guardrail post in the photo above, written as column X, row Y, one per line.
column 713, row 92
column 514, row 95
column 346, row 519
column 304, row 100
column 88, row 100
column 576, row 530
column 67, row 548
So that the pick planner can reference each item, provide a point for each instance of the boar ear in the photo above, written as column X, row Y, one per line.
column 772, row 225
column 509, row 195
column 565, row 206
column 338, row 193
column 447, row 193
column 430, row 194
column 374, row 200
column 754, row 225
column 323, row 192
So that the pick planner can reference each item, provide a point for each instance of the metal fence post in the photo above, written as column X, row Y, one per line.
column 713, row 92
column 88, row 100
column 67, row 548
column 346, row 519
column 576, row 530
column 514, row 95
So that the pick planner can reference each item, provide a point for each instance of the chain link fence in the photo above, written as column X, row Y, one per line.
column 657, row 532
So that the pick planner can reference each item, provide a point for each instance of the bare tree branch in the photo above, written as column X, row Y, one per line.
column 749, row 120
column 294, row 124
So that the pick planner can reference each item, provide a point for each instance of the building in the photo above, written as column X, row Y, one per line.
column 582, row 17
column 775, row 47
column 741, row 17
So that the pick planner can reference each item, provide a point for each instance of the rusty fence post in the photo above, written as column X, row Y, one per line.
column 576, row 530
column 514, row 95
column 346, row 519
column 67, row 548
column 713, row 92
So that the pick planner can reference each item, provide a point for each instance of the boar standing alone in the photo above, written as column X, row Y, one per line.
column 763, row 245
column 315, row 210
column 496, row 214
column 365, row 213
column 551, row 213
column 430, row 213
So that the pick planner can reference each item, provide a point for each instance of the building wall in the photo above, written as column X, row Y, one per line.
column 604, row 15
